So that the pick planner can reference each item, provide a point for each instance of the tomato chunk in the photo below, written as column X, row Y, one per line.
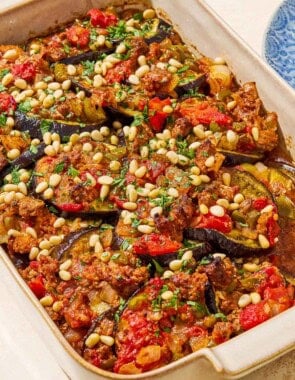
column 71, row 207
column 7, row 103
column 78, row 36
column 157, row 117
column 26, row 71
column 254, row 314
column 102, row 19
column 37, row 286
column 155, row 244
column 222, row 224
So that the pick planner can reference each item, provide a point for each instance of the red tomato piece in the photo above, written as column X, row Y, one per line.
column 37, row 286
column 120, row 72
column 78, row 36
column 254, row 314
column 118, row 202
column 7, row 103
column 155, row 244
column 154, row 170
column 157, row 118
column 222, row 224
column 26, row 71
column 273, row 231
column 203, row 113
column 71, row 207
column 280, row 295
column 102, row 19
column 260, row 203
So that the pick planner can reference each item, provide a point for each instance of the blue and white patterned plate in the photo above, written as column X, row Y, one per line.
column 279, row 46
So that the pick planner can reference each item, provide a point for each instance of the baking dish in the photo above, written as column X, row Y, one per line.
column 212, row 39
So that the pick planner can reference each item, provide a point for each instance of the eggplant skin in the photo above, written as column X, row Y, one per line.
column 87, row 56
column 193, row 85
column 201, row 250
column 210, row 299
column 70, row 239
column 163, row 31
column 223, row 243
column 32, row 125
column 235, row 158
column 25, row 160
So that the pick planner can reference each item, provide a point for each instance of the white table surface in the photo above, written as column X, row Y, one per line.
column 25, row 351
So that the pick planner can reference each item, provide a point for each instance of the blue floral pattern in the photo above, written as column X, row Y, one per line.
column 280, row 42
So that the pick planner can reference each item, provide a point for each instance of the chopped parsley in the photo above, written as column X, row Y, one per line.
column 59, row 167
column 45, row 126
column 15, row 175
column 3, row 119
column 117, row 32
column 33, row 149
column 120, row 309
column 72, row 172
column 182, row 69
column 4, row 72
column 182, row 146
column 25, row 106
column 88, row 68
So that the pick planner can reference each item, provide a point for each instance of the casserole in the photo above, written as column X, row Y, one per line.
column 268, row 102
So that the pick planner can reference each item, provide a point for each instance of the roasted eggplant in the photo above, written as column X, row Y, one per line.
column 236, row 158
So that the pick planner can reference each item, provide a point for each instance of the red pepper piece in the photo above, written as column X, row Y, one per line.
column 26, row 71
column 157, row 118
column 7, row 103
column 120, row 72
column 154, row 170
column 71, row 207
column 155, row 245
column 37, row 286
column 273, row 231
column 78, row 36
column 222, row 224
column 280, row 295
column 119, row 202
column 254, row 314
column 102, row 19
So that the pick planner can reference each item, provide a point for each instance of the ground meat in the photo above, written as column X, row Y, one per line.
column 207, row 149
column 11, row 142
column 228, row 302
column 182, row 127
column 267, row 140
column 221, row 273
column 222, row 331
column 192, row 287
column 78, row 314
column 214, row 191
column 85, row 194
column 3, row 160
column 179, row 218
column 29, row 207
column 154, row 80
column 21, row 244
column 248, row 103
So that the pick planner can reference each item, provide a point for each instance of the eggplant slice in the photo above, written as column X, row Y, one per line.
column 236, row 158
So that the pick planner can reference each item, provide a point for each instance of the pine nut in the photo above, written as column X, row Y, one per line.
column 33, row 253
column 48, row 101
column 219, row 255
column 101, row 40
column 121, row 48
column 46, row 301
column 132, row 133
column 132, row 195
column 255, row 297
column 142, row 70
column 155, row 211
column 43, row 252
column 10, row 122
column 217, row 211
column 239, row 198
column 268, row 208
column 148, row 14
column 131, row 206
column 167, row 274
column 98, row 248
column 55, row 239
column 231, row 105
column 133, row 79
column 210, row 162
column 205, row 178
column 59, row 222
column 97, row 157
column 263, row 241
column 255, row 133
column 195, row 180
column 226, row 178
column 41, row 85
column 8, row 197
column 107, row 340
column 172, row 157
column 44, row 244
column 41, row 187
column 54, row 180
column 219, row 61
column 57, row 306
column 12, row 154
column 141, row 60
column 199, row 131
column 234, row 206
column 188, row 255
column 66, row 265
column 167, row 295
column 10, row 187
column 92, row 340
column 231, row 136
column 65, row 275
column 87, row 147
column 10, row 54
column 7, row 79
column 13, row 232
column 203, row 209
column 175, row 63
column 31, row 231
column 145, row 229
column 251, row 267
column 140, row 172
column 97, row 81
column 71, row 70
column 173, row 192
column 167, row 109
column 104, row 191
column 223, row 202
column 66, row 84
column 244, row 300
column 105, row 180
column 115, row 166
column 195, row 145
column 93, row 240
column 175, row 265
column 144, row 152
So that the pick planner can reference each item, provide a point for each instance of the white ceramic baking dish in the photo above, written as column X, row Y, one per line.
column 200, row 27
